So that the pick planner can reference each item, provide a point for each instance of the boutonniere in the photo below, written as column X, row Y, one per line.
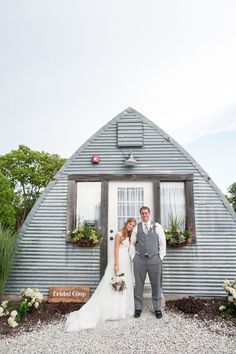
column 153, row 227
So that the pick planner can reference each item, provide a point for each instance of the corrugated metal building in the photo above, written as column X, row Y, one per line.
column 44, row 257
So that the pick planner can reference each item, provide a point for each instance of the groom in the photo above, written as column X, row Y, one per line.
column 150, row 249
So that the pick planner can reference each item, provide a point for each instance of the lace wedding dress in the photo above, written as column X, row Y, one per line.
column 105, row 303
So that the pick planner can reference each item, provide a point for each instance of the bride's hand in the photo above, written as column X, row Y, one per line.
column 116, row 268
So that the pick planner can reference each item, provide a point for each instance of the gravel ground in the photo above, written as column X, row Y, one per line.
column 173, row 334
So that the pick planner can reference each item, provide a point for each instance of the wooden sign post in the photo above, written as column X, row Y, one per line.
column 69, row 294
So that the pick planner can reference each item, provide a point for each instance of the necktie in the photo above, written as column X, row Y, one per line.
column 146, row 228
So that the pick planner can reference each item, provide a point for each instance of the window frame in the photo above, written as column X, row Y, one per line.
column 106, row 178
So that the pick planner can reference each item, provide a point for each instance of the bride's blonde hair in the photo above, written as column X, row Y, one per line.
column 124, row 232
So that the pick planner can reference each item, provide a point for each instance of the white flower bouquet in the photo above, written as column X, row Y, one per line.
column 118, row 282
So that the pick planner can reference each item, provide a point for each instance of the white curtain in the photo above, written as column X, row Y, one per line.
column 172, row 202
column 88, row 202
column 130, row 200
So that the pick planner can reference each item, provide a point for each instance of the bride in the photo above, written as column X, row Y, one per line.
column 105, row 303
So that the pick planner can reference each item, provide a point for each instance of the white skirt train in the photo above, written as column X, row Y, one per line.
column 106, row 303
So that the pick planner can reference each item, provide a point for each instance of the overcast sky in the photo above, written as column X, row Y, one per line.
column 68, row 67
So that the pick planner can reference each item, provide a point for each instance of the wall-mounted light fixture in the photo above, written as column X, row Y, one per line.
column 130, row 161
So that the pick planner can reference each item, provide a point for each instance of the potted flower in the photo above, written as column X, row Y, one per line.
column 86, row 235
column 175, row 236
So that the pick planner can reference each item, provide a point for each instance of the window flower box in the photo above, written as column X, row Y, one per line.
column 175, row 237
column 179, row 239
column 86, row 235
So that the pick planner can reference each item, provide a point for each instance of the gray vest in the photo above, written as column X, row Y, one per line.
column 147, row 244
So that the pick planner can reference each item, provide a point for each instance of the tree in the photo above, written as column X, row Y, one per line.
column 232, row 195
column 7, row 200
column 28, row 172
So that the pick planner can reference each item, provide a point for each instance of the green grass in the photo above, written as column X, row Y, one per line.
column 7, row 244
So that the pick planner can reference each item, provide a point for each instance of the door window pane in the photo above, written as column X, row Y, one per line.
column 88, row 202
column 130, row 200
column 172, row 202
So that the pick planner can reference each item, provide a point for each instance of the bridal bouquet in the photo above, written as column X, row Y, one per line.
column 118, row 282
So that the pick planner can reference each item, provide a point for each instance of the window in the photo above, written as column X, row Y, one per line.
column 88, row 199
column 130, row 200
column 88, row 204
column 172, row 202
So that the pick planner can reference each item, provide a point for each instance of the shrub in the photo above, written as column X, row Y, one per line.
column 228, row 308
column 30, row 299
column 7, row 244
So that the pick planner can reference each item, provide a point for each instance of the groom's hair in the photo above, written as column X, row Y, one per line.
column 144, row 207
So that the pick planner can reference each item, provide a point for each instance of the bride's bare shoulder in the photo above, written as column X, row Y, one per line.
column 118, row 235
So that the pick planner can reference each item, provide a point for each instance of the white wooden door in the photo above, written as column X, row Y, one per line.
column 125, row 200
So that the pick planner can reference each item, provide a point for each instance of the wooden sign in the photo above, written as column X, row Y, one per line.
column 69, row 294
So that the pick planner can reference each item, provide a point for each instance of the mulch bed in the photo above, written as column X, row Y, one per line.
column 47, row 312
column 205, row 309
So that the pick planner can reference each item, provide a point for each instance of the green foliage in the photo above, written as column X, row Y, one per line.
column 7, row 243
column 176, row 223
column 28, row 172
column 86, row 231
column 228, row 307
column 23, row 309
column 7, row 199
column 175, row 234
column 232, row 195
column 187, row 234
column 30, row 300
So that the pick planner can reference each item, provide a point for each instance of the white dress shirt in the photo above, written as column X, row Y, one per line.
column 160, row 232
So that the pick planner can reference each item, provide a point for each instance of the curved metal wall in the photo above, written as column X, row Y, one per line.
column 45, row 259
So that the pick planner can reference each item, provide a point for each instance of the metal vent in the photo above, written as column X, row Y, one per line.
column 130, row 133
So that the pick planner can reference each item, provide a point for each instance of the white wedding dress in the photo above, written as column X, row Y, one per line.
column 106, row 303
